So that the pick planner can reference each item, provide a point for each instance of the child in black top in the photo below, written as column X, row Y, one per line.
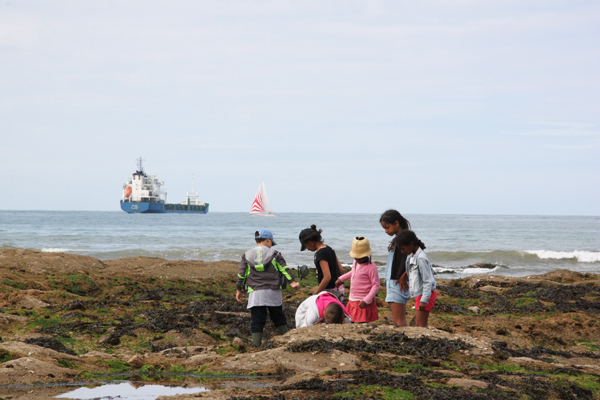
column 329, row 268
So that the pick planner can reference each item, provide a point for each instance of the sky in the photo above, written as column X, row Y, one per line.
column 428, row 107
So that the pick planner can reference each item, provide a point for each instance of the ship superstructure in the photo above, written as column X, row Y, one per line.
column 142, row 194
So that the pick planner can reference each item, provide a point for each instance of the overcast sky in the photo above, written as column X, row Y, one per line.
column 461, row 107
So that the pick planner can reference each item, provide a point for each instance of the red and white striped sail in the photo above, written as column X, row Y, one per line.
column 260, row 205
column 257, row 204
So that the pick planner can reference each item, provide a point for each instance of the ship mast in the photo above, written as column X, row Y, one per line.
column 192, row 198
column 140, row 166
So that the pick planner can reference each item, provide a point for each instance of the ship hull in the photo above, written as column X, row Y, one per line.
column 138, row 207
column 263, row 214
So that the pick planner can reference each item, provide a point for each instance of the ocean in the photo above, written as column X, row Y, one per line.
column 456, row 244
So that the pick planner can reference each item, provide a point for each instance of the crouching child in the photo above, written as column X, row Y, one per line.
column 321, row 308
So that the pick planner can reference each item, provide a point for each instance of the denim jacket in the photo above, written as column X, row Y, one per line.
column 421, row 280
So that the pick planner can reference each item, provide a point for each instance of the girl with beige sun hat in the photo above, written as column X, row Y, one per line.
column 364, row 282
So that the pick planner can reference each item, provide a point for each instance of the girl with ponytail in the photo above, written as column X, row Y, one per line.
column 329, row 268
column 421, row 279
column 396, row 278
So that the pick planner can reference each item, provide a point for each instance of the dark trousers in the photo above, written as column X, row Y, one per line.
column 259, row 317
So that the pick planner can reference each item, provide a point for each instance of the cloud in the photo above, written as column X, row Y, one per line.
column 589, row 146
column 560, row 129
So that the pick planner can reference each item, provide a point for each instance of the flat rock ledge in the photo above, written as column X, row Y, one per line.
column 315, row 362
column 24, row 349
column 299, row 362
column 27, row 370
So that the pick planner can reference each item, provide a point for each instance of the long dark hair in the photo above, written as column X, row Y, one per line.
column 407, row 237
column 390, row 217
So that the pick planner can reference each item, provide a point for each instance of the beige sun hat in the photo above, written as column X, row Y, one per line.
column 360, row 247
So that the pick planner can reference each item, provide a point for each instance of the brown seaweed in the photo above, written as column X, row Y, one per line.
column 50, row 343
column 396, row 343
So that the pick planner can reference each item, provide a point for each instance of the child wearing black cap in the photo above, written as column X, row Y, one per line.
column 262, row 273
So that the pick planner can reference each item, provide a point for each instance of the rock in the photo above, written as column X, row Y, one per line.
column 30, row 302
column 474, row 309
column 9, row 320
column 299, row 362
column 27, row 370
column 173, row 338
column 30, row 349
column 490, row 289
column 587, row 366
column 467, row 383
column 526, row 361
column 136, row 361
column 98, row 354
column 563, row 276
column 185, row 351
column 450, row 372
column 306, row 376
column 125, row 355
column 239, row 342
column 175, row 352
column 587, row 283
column 201, row 359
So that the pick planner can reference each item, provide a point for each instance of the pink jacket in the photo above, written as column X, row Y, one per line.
column 364, row 281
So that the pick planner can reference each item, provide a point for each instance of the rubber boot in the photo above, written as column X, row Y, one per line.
column 257, row 339
column 282, row 329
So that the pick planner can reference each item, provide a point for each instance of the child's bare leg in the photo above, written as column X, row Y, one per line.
column 421, row 319
column 398, row 314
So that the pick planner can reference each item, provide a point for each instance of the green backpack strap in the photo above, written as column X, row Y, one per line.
column 283, row 271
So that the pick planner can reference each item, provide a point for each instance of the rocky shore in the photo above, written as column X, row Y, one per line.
column 67, row 319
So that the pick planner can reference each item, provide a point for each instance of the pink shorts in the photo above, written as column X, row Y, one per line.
column 430, row 303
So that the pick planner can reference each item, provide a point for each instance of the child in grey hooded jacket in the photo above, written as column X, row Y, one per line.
column 262, row 274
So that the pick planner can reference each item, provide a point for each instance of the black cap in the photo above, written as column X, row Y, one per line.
column 303, row 235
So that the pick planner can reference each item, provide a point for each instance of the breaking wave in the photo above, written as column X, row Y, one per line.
column 471, row 269
column 580, row 256
column 55, row 250
column 512, row 257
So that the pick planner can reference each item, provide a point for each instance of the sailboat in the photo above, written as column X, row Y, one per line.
column 261, row 206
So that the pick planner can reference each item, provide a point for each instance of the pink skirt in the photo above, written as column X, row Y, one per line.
column 367, row 314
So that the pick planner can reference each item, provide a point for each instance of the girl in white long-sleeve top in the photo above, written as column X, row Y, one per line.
column 321, row 308
column 421, row 280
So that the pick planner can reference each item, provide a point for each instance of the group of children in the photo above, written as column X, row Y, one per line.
column 263, row 273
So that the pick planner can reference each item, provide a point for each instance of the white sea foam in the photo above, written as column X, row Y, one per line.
column 444, row 270
column 580, row 256
column 54, row 250
column 478, row 270
column 466, row 271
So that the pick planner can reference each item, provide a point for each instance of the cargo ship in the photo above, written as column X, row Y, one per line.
column 142, row 194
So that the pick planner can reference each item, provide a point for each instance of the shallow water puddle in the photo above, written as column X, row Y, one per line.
column 128, row 391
